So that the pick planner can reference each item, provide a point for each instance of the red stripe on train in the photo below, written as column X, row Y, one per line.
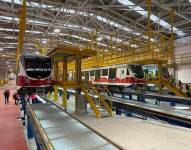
column 124, row 80
column 24, row 81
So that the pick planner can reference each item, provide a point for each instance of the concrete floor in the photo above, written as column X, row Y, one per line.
column 137, row 134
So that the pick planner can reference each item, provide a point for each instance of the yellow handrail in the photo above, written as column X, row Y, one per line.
column 90, row 100
column 108, row 108
column 173, row 89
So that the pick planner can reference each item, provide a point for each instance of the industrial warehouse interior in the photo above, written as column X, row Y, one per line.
column 95, row 74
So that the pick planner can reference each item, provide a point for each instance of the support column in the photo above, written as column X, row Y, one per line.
column 160, row 77
column 56, row 79
column 56, row 71
column 48, row 95
column 55, row 93
column 78, row 74
column 80, row 101
column 78, row 80
column 64, row 79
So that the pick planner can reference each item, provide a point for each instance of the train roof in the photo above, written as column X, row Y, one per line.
column 113, row 66
column 31, row 55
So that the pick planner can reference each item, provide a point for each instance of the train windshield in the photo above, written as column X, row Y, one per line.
column 138, row 71
column 38, row 67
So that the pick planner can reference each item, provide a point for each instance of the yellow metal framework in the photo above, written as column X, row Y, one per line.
column 22, row 27
column 61, row 56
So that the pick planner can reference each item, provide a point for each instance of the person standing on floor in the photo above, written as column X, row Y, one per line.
column 180, row 85
column 6, row 95
column 16, row 98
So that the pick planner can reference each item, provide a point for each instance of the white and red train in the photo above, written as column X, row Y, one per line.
column 121, row 75
column 34, row 71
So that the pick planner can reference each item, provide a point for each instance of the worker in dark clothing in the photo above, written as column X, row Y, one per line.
column 180, row 85
column 16, row 98
column 172, row 80
column 156, row 75
column 6, row 95
column 187, row 90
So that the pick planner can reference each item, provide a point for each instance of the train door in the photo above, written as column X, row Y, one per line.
column 87, row 75
column 112, row 73
column 83, row 75
column 104, row 73
column 92, row 75
column 123, row 73
column 97, row 75
column 70, row 75
column 127, row 73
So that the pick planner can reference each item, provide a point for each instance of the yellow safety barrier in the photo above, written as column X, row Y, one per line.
column 55, row 93
column 1, row 82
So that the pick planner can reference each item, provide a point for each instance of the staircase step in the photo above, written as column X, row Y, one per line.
column 102, row 109
column 98, row 106
column 105, row 115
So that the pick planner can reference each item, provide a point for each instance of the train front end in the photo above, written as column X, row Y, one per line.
column 137, row 73
column 34, row 70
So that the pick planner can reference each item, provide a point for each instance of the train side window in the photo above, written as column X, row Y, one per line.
column 127, row 71
column 104, row 72
column 92, row 73
column 82, row 73
column 87, row 75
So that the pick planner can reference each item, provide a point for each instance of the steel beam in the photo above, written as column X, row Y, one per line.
column 22, row 27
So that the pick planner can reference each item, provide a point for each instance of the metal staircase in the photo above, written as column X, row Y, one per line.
column 173, row 89
column 99, row 105
column 169, row 86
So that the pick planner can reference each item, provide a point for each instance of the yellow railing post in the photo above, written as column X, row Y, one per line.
column 48, row 95
column 64, row 98
column 55, row 93
column 160, row 77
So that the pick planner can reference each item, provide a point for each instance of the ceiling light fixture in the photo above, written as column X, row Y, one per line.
column 44, row 41
column 56, row 30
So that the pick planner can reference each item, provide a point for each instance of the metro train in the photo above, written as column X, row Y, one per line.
column 34, row 71
column 120, row 75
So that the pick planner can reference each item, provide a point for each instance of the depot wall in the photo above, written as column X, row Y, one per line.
column 3, row 76
column 183, row 50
